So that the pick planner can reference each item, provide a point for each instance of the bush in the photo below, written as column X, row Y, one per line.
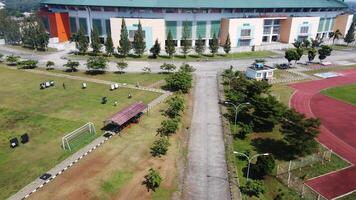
column 12, row 60
column 72, row 66
column 168, row 67
column 245, row 130
column 160, row 147
column 121, row 65
column 264, row 166
column 187, row 68
column 27, row 64
column 253, row 188
column 49, row 65
column 175, row 106
column 146, row 70
column 97, row 63
column 180, row 81
column 168, row 127
column 153, row 180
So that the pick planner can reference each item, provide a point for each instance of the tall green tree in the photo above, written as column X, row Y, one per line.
column 264, row 166
column 185, row 42
column 72, row 66
column 34, row 34
column 311, row 54
column 109, row 46
column 81, row 41
column 291, row 54
column 97, row 63
column 124, row 43
column 199, row 46
column 170, row 48
column 214, row 45
column 95, row 41
column 350, row 36
column 180, row 81
column 156, row 49
column 227, row 45
column 300, row 132
column 324, row 52
column 337, row 35
column 139, row 44
column 160, row 147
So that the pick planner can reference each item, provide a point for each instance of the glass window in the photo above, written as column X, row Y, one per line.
column 275, row 38
column 258, row 75
column 201, row 29
column 265, row 38
column 171, row 26
column 132, row 34
column 215, row 28
column 268, row 21
column 83, row 25
column 46, row 23
column 276, row 22
column 244, row 43
column 276, row 30
column 109, row 9
column 189, row 25
column 327, row 24
column 321, row 25
column 279, row 10
column 245, row 32
column 267, row 30
column 73, row 25
column 304, row 29
column 97, row 25
column 107, row 26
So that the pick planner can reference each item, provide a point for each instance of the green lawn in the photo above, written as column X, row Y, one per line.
column 282, row 92
column 242, row 55
column 345, row 93
column 143, row 79
column 47, row 115
column 28, row 50
column 116, row 181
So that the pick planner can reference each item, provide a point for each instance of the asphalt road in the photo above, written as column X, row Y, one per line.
column 206, row 176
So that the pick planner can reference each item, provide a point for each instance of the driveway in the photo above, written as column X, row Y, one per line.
column 206, row 176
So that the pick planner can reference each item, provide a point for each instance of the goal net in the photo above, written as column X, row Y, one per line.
column 79, row 137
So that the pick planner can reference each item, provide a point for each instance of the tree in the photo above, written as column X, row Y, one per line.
column 264, row 166
column 227, row 45
column 81, row 41
column 187, row 68
column 121, row 65
column 311, row 54
column 34, row 34
column 306, row 43
column 153, row 180
column 291, row 54
column 28, row 64
column 124, row 43
column 180, row 81
column 49, row 65
column 168, row 127
column 214, row 45
column 300, row 52
column 350, row 36
column 170, row 48
column 297, row 44
column 109, row 46
column 139, row 44
column 12, row 60
column 185, row 43
column 316, row 43
column 95, row 41
column 337, row 35
column 245, row 129
column 253, row 188
column 324, row 52
column 97, row 63
column 175, row 107
column 168, row 67
column 72, row 65
column 156, row 49
column 146, row 70
column 199, row 46
column 160, row 147
column 10, row 28
column 300, row 132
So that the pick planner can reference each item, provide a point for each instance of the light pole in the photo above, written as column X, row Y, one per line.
column 250, row 159
column 236, row 108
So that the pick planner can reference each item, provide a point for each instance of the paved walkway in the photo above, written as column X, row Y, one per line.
column 337, row 130
column 206, row 176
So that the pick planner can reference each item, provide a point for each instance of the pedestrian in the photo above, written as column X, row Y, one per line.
column 64, row 86
column 115, row 103
column 130, row 96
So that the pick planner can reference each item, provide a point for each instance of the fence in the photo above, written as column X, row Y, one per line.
column 291, row 173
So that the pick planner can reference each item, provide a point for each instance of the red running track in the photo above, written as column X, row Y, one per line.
column 338, row 130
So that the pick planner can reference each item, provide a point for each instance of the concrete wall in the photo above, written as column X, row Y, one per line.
column 235, row 26
column 290, row 28
column 343, row 23
column 154, row 28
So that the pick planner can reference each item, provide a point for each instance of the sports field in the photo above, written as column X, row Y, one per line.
column 345, row 93
column 46, row 115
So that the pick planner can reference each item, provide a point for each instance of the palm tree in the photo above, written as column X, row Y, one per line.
column 337, row 35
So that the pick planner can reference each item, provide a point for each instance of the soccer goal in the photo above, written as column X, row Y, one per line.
column 80, row 136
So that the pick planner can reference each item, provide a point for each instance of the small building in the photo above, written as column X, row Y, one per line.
column 260, row 71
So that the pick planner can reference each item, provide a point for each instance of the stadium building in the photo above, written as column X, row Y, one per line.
column 248, row 22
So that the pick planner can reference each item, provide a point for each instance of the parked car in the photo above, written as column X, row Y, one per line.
column 283, row 66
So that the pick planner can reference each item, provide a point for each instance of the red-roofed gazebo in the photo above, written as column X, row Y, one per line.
column 126, row 114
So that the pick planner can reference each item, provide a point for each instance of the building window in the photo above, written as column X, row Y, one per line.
column 244, row 43
column 302, row 38
column 215, row 28
column 171, row 10
column 107, row 27
column 95, row 8
column 132, row 34
column 109, row 9
column 189, row 25
column 276, row 30
column 279, row 10
column 267, row 30
column 245, row 32
column 73, row 25
column 265, row 39
column 275, row 38
column 83, row 25
column 215, row 10
column 201, row 29
column 258, row 75
column 97, row 26
column 304, row 30
column 172, row 27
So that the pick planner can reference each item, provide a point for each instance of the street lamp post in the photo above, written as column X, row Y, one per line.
column 236, row 108
column 250, row 159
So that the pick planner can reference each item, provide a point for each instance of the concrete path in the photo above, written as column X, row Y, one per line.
column 206, row 176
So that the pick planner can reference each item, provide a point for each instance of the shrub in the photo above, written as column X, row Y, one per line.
column 160, row 147
column 187, row 68
column 153, row 179
column 72, row 66
column 264, row 166
column 49, row 65
column 168, row 127
column 27, row 64
column 97, row 63
column 168, row 67
column 146, row 70
column 175, row 106
column 12, row 60
column 179, row 81
column 121, row 65
column 253, row 188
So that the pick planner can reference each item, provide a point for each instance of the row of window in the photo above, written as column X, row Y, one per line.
column 201, row 30
column 82, row 23
column 184, row 10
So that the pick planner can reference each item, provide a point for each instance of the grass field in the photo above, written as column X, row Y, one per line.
column 144, row 79
column 345, row 93
column 242, row 55
column 47, row 115
column 282, row 92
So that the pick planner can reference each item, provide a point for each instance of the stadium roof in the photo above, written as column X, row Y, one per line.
column 127, row 113
column 204, row 3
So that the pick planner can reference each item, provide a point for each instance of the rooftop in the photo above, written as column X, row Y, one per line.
column 204, row 3
column 127, row 113
column 260, row 66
